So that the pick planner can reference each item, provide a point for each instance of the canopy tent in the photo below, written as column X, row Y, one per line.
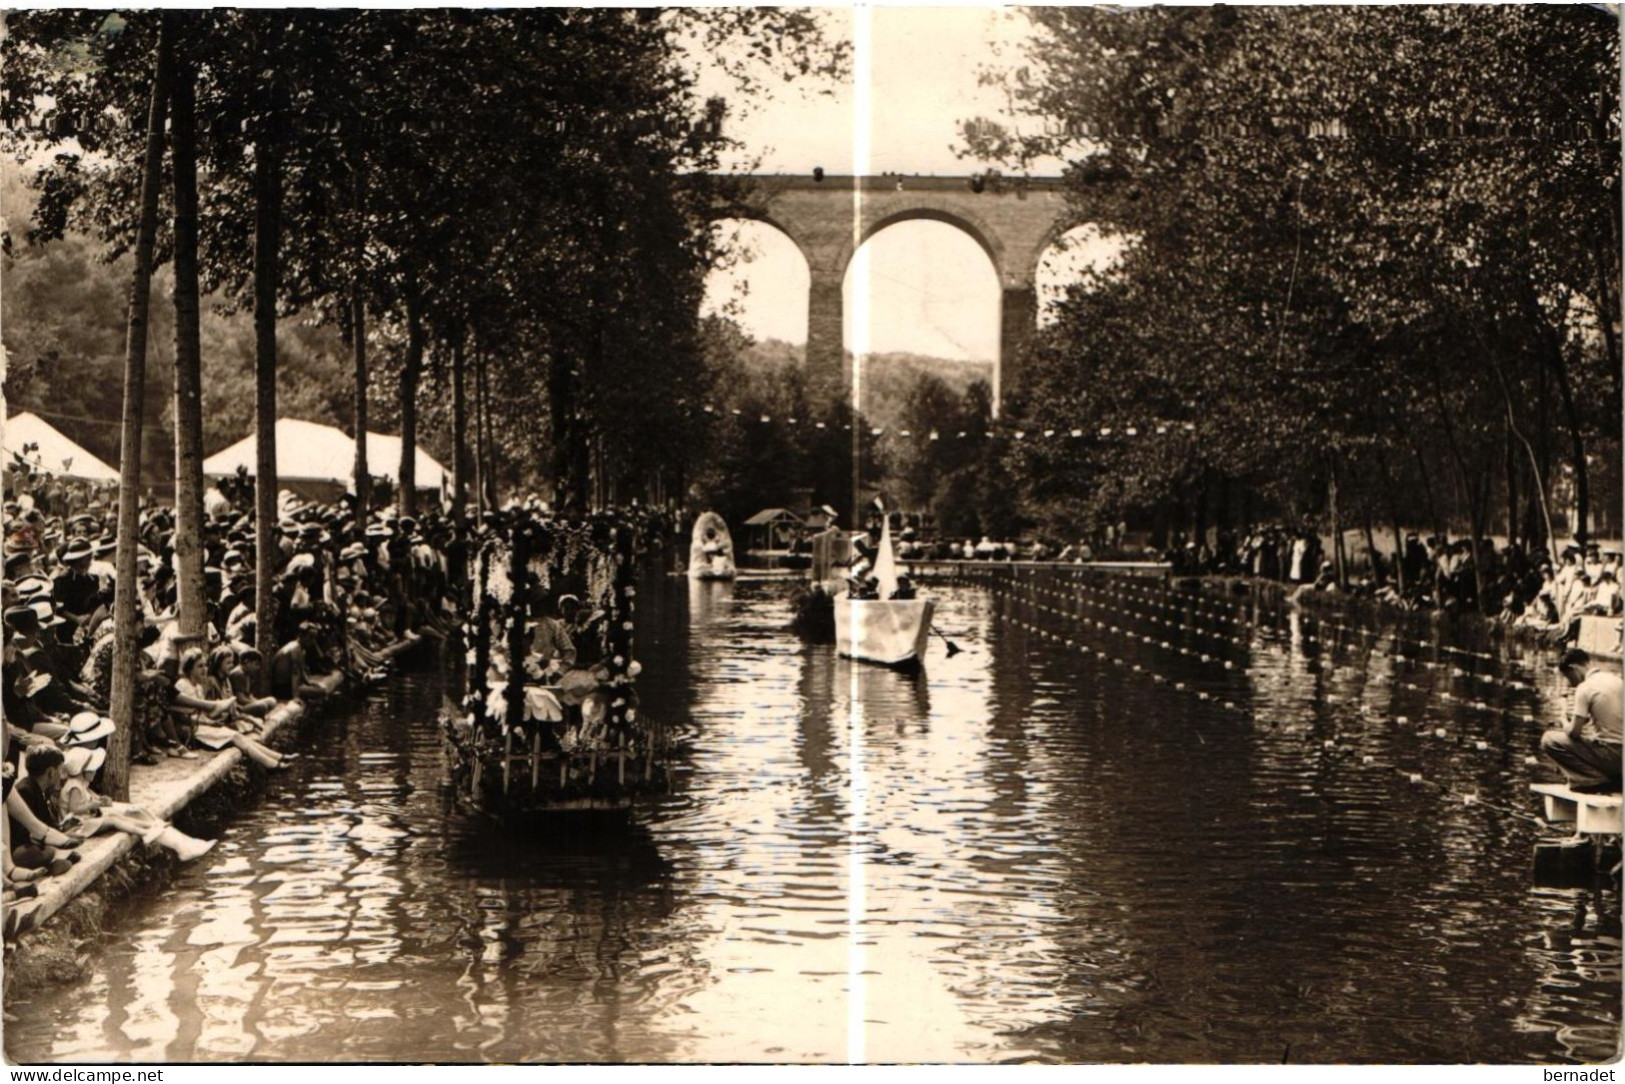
column 55, row 453
column 312, row 455
column 768, row 516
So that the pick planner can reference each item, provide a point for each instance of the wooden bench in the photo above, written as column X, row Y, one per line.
column 1591, row 814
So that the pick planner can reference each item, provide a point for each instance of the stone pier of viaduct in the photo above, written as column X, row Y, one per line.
column 1013, row 219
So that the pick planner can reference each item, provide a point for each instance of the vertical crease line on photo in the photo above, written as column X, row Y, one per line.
column 857, row 903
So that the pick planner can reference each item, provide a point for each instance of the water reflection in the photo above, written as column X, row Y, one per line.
column 1047, row 847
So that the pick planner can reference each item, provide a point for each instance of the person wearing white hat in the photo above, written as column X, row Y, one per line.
column 99, row 814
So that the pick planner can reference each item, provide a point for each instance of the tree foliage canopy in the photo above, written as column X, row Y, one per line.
column 1368, row 236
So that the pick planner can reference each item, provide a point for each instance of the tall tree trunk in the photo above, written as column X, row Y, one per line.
column 1471, row 496
column 1543, row 459
column 1337, row 522
column 1392, row 489
column 481, row 469
column 1608, row 311
column 492, row 489
column 1372, row 556
column 406, row 475
column 459, row 434
column 267, row 240
column 1577, row 451
column 1481, row 527
column 190, row 592
column 1551, row 348
column 1427, row 482
column 1514, row 433
column 126, row 592
column 1511, row 467
column 358, row 328
column 561, row 405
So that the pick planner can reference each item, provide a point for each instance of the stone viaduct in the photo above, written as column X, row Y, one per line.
column 829, row 217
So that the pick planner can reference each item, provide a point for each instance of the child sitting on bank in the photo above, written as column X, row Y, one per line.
column 99, row 814
column 191, row 696
column 243, row 678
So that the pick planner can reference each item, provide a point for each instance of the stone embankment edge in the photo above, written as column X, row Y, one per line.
column 114, row 864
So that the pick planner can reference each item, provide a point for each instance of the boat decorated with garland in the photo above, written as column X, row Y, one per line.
column 550, row 721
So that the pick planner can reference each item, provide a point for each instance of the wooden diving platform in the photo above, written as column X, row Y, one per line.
column 1591, row 814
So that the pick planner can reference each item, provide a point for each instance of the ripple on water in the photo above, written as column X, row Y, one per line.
column 1061, row 859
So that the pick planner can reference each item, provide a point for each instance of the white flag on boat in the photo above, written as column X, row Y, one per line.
column 885, row 572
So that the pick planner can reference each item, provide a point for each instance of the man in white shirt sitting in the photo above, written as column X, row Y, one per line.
column 1587, row 746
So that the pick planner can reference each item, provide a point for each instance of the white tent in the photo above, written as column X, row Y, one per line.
column 55, row 453
column 312, row 453
column 383, row 449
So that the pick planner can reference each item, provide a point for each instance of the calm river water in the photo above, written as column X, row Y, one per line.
column 1057, row 845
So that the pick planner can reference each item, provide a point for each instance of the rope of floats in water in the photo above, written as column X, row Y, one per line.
column 1013, row 594
column 1206, row 605
column 1193, row 626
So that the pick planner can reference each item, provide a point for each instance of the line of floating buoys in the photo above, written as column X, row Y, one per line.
column 1459, row 702
column 1243, row 642
column 1204, row 603
column 1403, row 720
column 1167, row 598
column 1079, row 597
column 1329, row 745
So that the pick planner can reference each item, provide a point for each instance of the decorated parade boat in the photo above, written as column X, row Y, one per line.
column 534, row 734
column 887, row 627
column 711, row 551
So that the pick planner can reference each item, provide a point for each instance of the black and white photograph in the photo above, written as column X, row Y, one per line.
column 863, row 535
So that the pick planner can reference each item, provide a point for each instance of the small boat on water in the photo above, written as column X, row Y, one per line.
column 711, row 549
column 883, row 629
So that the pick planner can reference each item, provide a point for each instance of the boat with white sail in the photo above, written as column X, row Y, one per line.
column 878, row 618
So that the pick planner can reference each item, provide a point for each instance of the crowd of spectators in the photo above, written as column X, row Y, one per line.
column 350, row 589
column 1508, row 583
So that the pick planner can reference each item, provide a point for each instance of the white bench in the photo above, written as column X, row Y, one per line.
column 1591, row 814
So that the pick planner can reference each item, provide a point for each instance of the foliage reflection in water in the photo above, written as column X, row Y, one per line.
column 1061, row 858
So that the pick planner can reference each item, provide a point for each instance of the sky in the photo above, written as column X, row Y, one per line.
column 929, row 288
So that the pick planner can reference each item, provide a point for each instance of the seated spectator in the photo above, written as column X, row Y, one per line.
column 1587, row 746
column 98, row 814
column 290, row 673
column 1605, row 598
column 35, row 822
column 18, row 686
column 244, row 678
column 217, row 683
column 13, row 876
column 31, row 626
column 192, row 696
column 78, row 594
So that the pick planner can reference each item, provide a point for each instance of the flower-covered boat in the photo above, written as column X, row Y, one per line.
column 545, row 733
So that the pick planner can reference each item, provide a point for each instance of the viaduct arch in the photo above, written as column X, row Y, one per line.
column 829, row 217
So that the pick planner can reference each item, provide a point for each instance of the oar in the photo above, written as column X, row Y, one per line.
column 953, row 648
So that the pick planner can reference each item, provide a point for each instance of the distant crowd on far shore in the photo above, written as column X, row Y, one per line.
column 1510, row 584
